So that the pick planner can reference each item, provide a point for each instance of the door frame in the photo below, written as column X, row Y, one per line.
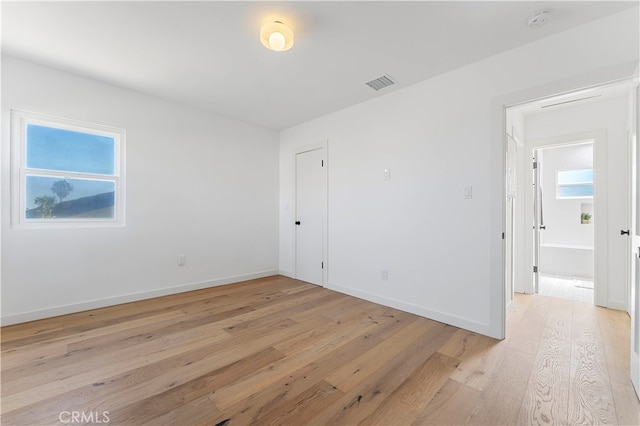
column 512, row 219
column 620, row 73
column 600, row 237
column 324, row 146
column 634, row 238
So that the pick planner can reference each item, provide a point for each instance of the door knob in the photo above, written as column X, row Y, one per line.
column 297, row 222
column 623, row 232
column 543, row 227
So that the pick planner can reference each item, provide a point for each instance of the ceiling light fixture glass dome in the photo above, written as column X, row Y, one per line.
column 276, row 36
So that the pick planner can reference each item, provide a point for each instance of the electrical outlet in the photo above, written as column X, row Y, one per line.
column 384, row 274
column 182, row 260
column 387, row 174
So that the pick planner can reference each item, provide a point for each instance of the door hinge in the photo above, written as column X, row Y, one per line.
column 535, row 164
column 535, row 269
column 322, row 265
column 322, row 163
column 503, row 235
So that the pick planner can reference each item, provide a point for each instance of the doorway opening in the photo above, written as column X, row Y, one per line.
column 606, row 117
column 597, row 122
column 563, row 181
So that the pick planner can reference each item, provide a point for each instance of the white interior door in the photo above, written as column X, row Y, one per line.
column 310, row 219
column 634, row 244
column 510, row 216
column 537, row 218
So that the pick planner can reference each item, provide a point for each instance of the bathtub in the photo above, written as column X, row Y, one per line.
column 566, row 260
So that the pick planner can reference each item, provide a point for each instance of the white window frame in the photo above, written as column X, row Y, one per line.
column 19, row 171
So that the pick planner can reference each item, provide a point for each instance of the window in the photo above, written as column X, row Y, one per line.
column 575, row 184
column 66, row 173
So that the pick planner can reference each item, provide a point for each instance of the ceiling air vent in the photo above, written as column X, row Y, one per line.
column 380, row 82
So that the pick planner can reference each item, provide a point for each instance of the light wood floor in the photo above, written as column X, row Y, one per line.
column 276, row 350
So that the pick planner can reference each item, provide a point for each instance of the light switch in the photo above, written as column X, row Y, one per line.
column 387, row 174
column 468, row 192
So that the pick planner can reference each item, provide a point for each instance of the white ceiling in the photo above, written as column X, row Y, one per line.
column 207, row 54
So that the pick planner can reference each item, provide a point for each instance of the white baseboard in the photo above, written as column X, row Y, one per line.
column 287, row 274
column 126, row 298
column 619, row 306
column 455, row 321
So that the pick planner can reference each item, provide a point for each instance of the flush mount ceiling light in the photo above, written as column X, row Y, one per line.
column 276, row 36
column 538, row 18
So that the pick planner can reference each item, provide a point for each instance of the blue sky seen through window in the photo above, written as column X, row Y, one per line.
column 575, row 183
column 568, row 177
column 51, row 148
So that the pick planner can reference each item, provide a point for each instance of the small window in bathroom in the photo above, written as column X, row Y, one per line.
column 575, row 184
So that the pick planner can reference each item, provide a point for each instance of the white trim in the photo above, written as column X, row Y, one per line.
column 287, row 274
column 126, row 298
column 567, row 246
column 19, row 121
column 453, row 320
column 619, row 306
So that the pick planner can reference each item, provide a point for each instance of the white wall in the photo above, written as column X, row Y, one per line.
column 443, row 253
column 197, row 185
column 610, row 115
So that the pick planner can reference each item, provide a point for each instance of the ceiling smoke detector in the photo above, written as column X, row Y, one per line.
column 538, row 18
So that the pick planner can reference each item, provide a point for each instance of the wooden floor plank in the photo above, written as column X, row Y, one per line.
column 528, row 333
column 279, row 351
column 626, row 402
column 590, row 396
column 547, row 397
column 144, row 409
column 613, row 326
column 195, row 368
column 251, row 409
column 415, row 393
column 341, row 334
column 114, row 387
column 127, row 348
column 72, row 324
column 197, row 412
column 359, row 403
column 501, row 401
column 452, row 405
column 113, row 363
column 478, row 356
column 303, row 409
column 517, row 311
column 349, row 375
